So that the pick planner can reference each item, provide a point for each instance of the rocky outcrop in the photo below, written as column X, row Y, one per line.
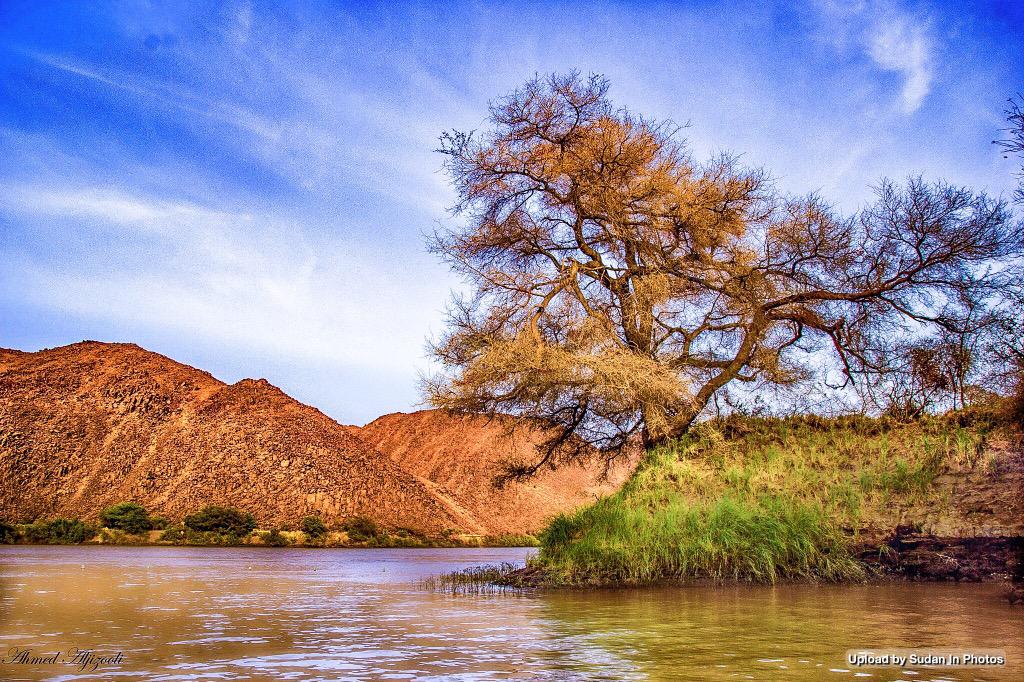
column 91, row 424
column 969, row 528
column 921, row 557
column 464, row 454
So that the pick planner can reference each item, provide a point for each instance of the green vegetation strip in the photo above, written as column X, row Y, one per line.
column 128, row 523
column 757, row 500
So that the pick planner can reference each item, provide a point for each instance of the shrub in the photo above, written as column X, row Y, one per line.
column 361, row 529
column 403, row 537
column 37, row 532
column 221, row 520
column 158, row 522
column 116, row 536
column 127, row 516
column 173, row 534
column 59, row 532
column 8, row 533
column 313, row 527
column 275, row 539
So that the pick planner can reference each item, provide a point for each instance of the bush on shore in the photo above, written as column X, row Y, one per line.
column 173, row 534
column 361, row 529
column 59, row 532
column 127, row 516
column 313, row 527
column 224, row 520
column 8, row 533
column 275, row 538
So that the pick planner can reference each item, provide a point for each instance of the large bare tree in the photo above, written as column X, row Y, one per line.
column 618, row 284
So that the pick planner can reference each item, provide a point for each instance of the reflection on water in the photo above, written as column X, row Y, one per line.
column 231, row 614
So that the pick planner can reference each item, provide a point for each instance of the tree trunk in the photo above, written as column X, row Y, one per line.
column 656, row 427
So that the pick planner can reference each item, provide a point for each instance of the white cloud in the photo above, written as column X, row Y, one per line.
column 900, row 42
column 896, row 38
column 117, row 207
column 239, row 278
column 240, row 28
column 329, row 134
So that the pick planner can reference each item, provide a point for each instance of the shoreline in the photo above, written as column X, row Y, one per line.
column 904, row 557
column 129, row 524
column 245, row 545
column 527, row 579
column 419, row 543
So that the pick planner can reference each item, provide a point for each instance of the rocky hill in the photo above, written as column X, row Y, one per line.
column 461, row 455
column 90, row 424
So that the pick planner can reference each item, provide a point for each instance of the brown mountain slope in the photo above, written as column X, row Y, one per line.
column 91, row 424
column 463, row 455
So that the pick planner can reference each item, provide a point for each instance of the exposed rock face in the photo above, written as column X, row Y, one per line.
column 462, row 455
column 970, row 528
column 919, row 557
column 982, row 501
column 91, row 424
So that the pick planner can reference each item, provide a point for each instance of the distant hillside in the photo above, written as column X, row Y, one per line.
column 91, row 424
column 462, row 455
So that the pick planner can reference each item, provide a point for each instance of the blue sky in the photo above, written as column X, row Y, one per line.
column 245, row 188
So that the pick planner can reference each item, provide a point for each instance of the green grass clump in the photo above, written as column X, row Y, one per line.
column 731, row 539
column 758, row 500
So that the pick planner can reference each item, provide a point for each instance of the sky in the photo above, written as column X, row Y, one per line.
column 246, row 187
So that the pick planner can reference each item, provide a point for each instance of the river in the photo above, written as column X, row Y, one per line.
column 251, row 613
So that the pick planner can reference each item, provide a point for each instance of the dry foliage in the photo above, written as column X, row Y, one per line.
column 618, row 283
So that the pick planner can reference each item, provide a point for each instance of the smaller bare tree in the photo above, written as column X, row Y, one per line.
column 1013, row 143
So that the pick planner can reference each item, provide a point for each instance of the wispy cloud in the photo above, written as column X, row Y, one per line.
column 896, row 38
column 167, row 95
column 321, row 129
column 250, row 280
column 901, row 42
column 116, row 207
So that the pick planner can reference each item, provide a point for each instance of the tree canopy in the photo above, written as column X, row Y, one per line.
column 617, row 284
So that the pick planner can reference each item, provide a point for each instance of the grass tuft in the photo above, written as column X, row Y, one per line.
column 489, row 579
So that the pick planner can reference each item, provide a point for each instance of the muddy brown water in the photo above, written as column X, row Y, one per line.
column 237, row 614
